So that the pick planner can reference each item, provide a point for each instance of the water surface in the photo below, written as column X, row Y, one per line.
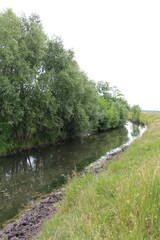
column 25, row 176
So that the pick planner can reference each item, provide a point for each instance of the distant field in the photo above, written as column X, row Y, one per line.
column 120, row 202
column 151, row 111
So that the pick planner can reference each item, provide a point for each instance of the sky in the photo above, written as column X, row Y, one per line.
column 117, row 41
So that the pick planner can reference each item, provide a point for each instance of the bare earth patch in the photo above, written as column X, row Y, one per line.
column 31, row 221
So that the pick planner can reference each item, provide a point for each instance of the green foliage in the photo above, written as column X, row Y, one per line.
column 75, row 95
column 42, row 90
column 103, row 89
column 22, row 46
column 135, row 113
column 122, row 202
column 113, row 108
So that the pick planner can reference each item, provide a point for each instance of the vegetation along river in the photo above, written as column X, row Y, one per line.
column 30, row 174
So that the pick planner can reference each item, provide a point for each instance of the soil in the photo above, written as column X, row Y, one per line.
column 31, row 222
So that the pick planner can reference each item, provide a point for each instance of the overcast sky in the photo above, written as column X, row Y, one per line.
column 117, row 41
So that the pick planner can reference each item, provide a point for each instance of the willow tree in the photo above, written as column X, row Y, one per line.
column 22, row 44
column 113, row 107
column 76, row 96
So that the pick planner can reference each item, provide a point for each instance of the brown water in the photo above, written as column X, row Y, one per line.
column 28, row 175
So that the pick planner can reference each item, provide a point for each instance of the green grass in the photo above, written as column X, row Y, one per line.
column 121, row 202
column 7, row 147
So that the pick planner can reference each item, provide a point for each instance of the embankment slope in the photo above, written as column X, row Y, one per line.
column 120, row 202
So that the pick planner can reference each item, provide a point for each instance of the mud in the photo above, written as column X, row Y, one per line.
column 31, row 222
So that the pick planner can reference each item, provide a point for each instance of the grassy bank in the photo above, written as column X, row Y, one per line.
column 121, row 202
column 9, row 148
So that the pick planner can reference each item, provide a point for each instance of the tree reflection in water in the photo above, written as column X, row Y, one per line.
column 25, row 176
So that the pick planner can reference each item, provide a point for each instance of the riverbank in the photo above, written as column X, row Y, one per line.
column 27, row 176
column 14, row 148
column 31, row 221
column 120, row 203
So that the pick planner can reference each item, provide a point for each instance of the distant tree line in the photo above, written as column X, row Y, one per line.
column 44, row 95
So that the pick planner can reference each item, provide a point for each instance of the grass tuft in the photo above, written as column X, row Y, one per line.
column 122, row 202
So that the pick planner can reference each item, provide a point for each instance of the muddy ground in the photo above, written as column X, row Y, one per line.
column 32, row 220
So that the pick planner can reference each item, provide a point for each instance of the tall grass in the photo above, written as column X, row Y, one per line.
column 121, row 202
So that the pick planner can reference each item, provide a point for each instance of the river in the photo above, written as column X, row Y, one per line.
column 26, row 176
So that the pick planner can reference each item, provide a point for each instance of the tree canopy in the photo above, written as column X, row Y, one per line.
column 43, row 92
